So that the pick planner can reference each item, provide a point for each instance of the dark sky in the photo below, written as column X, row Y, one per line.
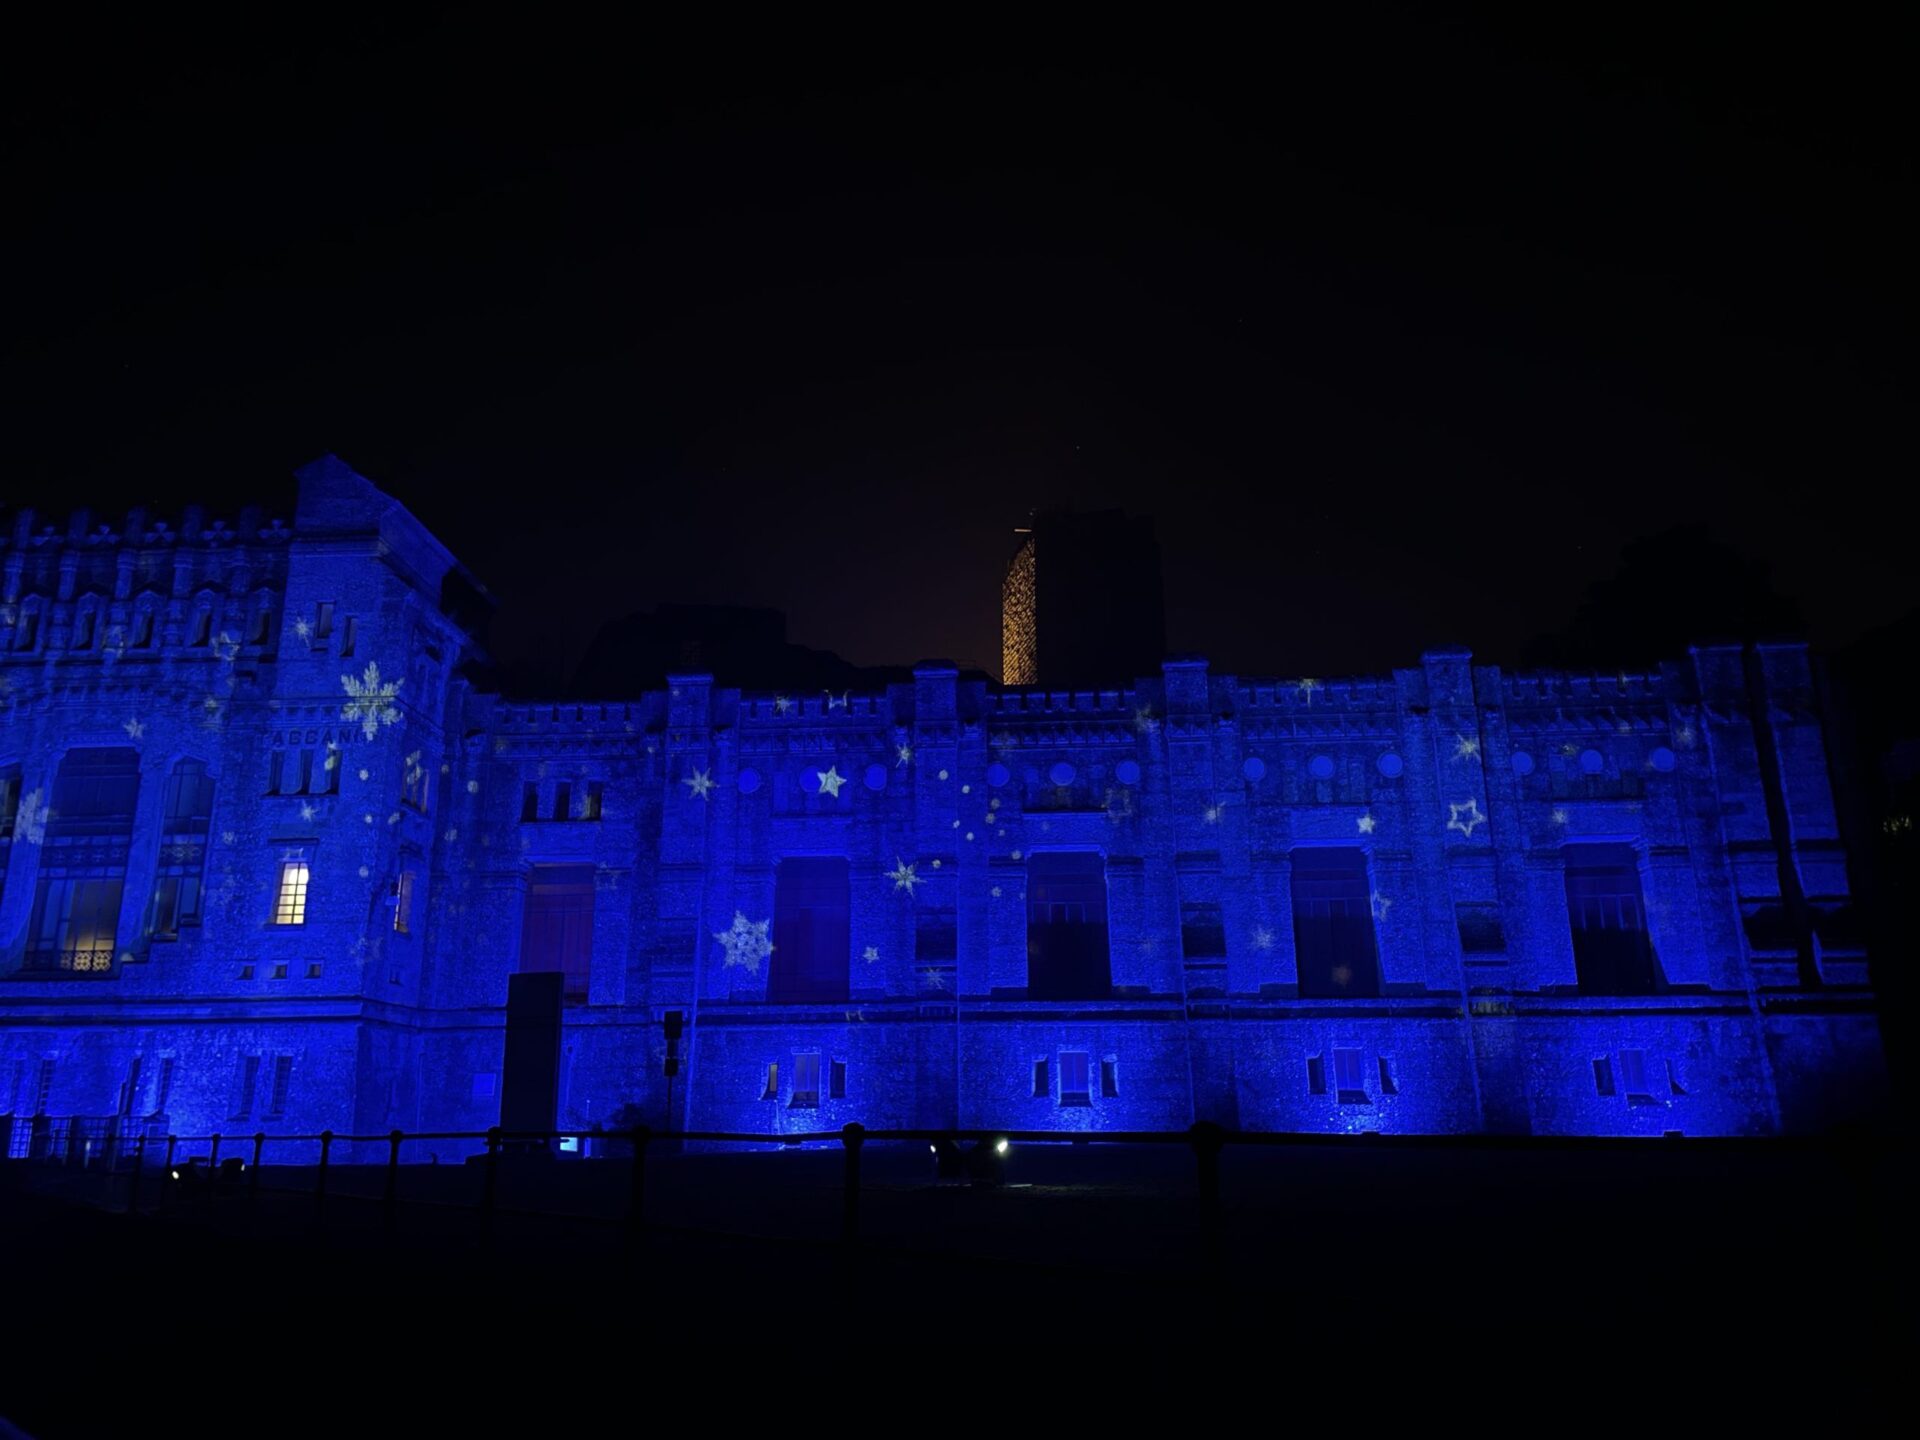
column 1399, row 326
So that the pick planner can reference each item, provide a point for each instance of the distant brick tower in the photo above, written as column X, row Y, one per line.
column 1081, row 604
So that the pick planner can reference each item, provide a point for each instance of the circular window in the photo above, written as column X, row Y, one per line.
column 1661, row 759
column 1389, row 765
column 1321, row 767
column 1127, row 772
column 1253, row 767
column 1522, row 763
column 876, row 777
column 748, row 779
column 1061, row 773
column 998, row 774
column 1592, row 762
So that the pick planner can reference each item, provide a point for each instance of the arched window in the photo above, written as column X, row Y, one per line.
column 26, row 625
column 86, row 618
column 83, row 861
column 184, row 826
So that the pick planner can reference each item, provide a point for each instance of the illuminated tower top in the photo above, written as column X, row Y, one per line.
column 1081, row 604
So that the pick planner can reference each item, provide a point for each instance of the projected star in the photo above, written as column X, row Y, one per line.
column 903, row 755
column 831, row 780
column 1379, row 904
column 745, row 943
column 902, row 875
column 135, row 729
column 1366, row 824
column 699, row 784
column 1213, row 813
column 1466, row 747
column 307, row 812
column 1465, row 816
column 1559, row 817
column 870, row 954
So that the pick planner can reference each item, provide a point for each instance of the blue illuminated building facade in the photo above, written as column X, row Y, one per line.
column 268, row 857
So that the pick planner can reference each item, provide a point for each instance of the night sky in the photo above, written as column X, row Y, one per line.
column 1400, row 327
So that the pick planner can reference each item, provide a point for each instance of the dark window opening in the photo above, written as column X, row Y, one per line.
column 1481, row 932
column 1633, row 1077
column 806, row 1080
column 562, row 801
column 277, row 1094
column 244, row 1085
column 1674, row 1086
column 323, row 620
column 349, row 630
column 83, row 630
column 202, row 628
column 186, row 818
column 1203, row 933
column 811, row 931
column 1333, row 924
column 1109, row 1079
column 590, row 801
column 934, row 937
column 1611, row 951
column 1349, row 1078
column 1316, row 1075
column 529, row 801
column 1603, row 1076
column 1067, row 955
column 142, row 631
column 1042, row 1082
column 1073, row 1078
column 557, row 931
column 837, row 1080
column 772, row 1090
column 1387, row 1087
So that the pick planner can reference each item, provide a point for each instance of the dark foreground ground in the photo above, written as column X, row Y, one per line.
column 1508, row 1289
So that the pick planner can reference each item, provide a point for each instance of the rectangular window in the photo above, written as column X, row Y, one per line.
column 290, row 900
column 1067, row 955
column 1316, row 1075
column 1633, row 1076
column 1042, row 1081
column 1333, row 924
column 1611, row 952
column 811, row 931
column 1073, row 1078
column 1349, row 1078
column 83, row 631
column 1603, row 1076
column 414, row 785
column 277, row 1092
column 1109, row 1079
column 43, row 1087
column 590, row 801
column 163, row 1089
column 837, row 1080
column 130, row 1087
column 202, row 629
column 1387, row 1087
column 83, row 862
column 1203, row 933
column 557, row 930
column 262, row 629
column 403, row 903
column 323, row 620
column 562, row 801
column 1481, row 932
column 244, row 1085
column 935, row 936
column 806, row 1079
column 28, row 633
column 349, row 632
column 529, row 801
column 1673, row 1080
column 142, row 631
column 772, row 1092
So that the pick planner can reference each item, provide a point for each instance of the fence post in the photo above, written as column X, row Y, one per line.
column 489, row 1182
column 253, row 1175
column 213, row 1151
column 133, row 1181
column 393, row 1179
column 166, row 1185
column 320, row 1180
column 852, row 1136
column 637, row 1198
column 1206, row 1141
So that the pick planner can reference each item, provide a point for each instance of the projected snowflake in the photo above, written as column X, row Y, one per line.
column 1465, row 816
column 745, row 943
column 902, row 875
column 699, row 784
column 1144, row 722
column 307, row 812
column 303, row 629
column 212, row 709
column 1262, row 938
column 831, row 780
column 1466, row 747
column 935, row 979
column 1559, row 817
column 136, row 728
column 840, row 704
column 1379, row 904
column 902, row 755
column 30, row 821
column 370, row 700
column 1306, row 687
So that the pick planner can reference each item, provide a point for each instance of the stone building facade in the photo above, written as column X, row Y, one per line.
column 268, row 858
